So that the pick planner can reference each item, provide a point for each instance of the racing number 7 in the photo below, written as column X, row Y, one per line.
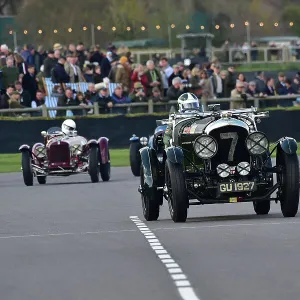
column 234, row 137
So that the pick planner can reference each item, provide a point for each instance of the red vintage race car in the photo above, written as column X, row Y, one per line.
column 62, row 155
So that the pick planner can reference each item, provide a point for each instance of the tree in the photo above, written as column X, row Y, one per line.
column 291, row 13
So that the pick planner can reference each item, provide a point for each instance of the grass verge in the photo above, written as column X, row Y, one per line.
column 10, row 163
column 268, row 67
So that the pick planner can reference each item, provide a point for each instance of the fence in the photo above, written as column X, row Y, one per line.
column 284, row 54
column 147, row 107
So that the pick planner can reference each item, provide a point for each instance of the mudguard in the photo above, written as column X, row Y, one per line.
column 24, row 148
column 103, row 149
column 288, row 145
column 92, row 143
column 150, row 164
column 175, row 155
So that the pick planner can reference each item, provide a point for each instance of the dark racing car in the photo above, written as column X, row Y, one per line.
column 61, row 155
column 219, row 157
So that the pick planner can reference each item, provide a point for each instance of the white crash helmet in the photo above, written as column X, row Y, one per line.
column 68, row 127
column 188, row 101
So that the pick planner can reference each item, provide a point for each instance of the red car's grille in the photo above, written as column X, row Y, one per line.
column 59, row 153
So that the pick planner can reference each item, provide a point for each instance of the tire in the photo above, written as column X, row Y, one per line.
column 135, row 158
column 27, row 169
column 41, row 179
column 289, row 181
column 262, row 207
column 151, row 200
column 94, row 164
column 177, row 192
column 105, row 171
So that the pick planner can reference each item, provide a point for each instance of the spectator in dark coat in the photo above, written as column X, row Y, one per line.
column 106, row 64
column 25, row 98
column 49, row 64
column 260, row 82
column 80, row 54
column 28, row 55
column 230, row 82
column 104, row 100
column 39, row 57
column 59, row 74
column 29, row 82
column 280, row 85
column 176, row 89
column 10, row 73
column 270, row 89
column 5, row 97
column 66, row 100
column 119, row 97
column 97, row 56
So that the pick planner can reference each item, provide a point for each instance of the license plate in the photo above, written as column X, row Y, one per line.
column 236, row 187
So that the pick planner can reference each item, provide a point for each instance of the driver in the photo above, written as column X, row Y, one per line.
column 68, row 127
column 187, row 102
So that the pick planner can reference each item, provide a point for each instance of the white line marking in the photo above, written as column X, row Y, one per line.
column 182, row 283
column 187, row 293
column 180, row 280
column 175, row 270
column 178, row 276
column 172, row 265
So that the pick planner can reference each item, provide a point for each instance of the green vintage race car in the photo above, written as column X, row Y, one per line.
column 219, row 157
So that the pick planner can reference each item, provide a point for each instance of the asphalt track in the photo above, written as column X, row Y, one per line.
column 73, row 240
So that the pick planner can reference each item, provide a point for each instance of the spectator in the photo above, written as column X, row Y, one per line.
column 106, row 65
column 280, row 85
column 88, row 73
column 251, row 90
column 57, row 91
column 139, row 76
column 176, row 89
column 39, row 57
column 81, row 101
column 28, row 54
column 166, row 72
column 195, row 76
column 39, row 78
column 29, row 82
column 5, row 97
column 20, row 64
column 57, row 55
column 217, row 82
column 113, row 71
column 119, row 97
column 66, row 100
column 91, row 94
column 138, row 94
column 239, row 93
column 186, row 76
column 2, row 60
column 230, row 82
column 10, row 73
column 14, row 101
column 81, row 54
column 49, row 64
column 156, row 96
column 270, row 87
column 57, row 47
column 39, row 101
column 181, row 69
column 260, row 82
column 104, row 100
column 254, row 51
column 176, row 73
column 72, row 49
column 72, row 69
column 58, row 73
column 206, row 84
column 153, row 78
column 25, row 98
column 287, row 90
column 98, row 78
column 97, row 56
column 123, row 74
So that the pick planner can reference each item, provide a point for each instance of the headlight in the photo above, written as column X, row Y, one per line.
column 40, row 152
column 243, row 168
column 257, row 143
column 223, row 170
column 76, row 149
column 144, row 141
column 205, row 146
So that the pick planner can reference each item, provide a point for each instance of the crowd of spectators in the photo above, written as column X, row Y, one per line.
column 22, row 72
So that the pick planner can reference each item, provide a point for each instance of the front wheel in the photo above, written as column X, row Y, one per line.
column 105, row 171
column 135, row 158
column 177, row 192
column 27, row 168
column 151, row 199
column 94, row 164
column 288, row 179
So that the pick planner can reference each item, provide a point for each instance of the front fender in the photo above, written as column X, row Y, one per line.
column 175, row 155
column 92, row 143
column 104, row 150
column 288, row 145
column 24, row 148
